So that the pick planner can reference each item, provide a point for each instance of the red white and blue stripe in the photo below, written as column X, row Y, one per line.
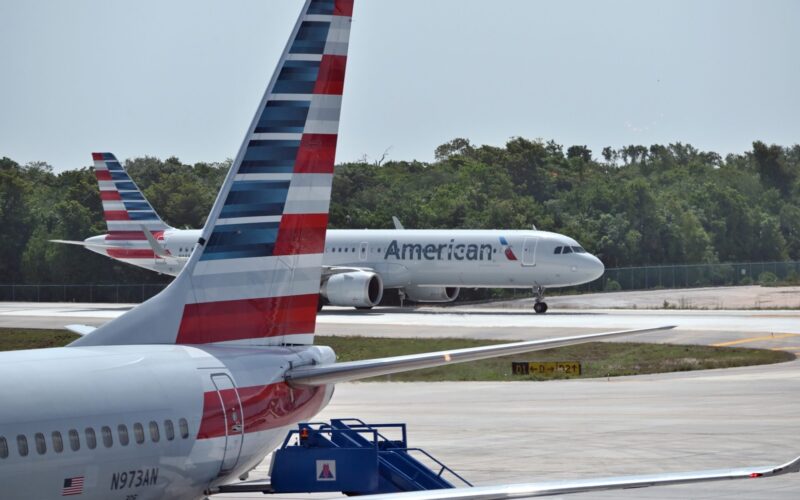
column 124, row 206
column 254, row 277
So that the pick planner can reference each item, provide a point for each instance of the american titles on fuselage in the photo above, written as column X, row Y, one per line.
column 439, row 251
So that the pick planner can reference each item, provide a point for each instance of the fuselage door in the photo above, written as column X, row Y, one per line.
column 529, row 251
column 363, row 251
column 232, row 417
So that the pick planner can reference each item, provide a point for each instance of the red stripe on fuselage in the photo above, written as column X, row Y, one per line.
column 247, row 319
column 330, row 79
column 110, row 196
column 131, row 253
column 316, row 154
column 301, row 234
column 343, row 8
column 264, row 407
column 116, row 215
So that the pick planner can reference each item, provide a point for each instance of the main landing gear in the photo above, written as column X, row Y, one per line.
column 539, row 306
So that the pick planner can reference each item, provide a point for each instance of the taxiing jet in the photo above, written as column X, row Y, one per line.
column 425, row 265
column 194, row 387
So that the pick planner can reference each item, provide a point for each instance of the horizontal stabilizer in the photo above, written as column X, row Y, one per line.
column 547, row 488
column 354, row 370
column 80, row 329
column 83, row 244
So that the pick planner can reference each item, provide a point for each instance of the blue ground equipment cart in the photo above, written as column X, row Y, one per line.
column 352, row 457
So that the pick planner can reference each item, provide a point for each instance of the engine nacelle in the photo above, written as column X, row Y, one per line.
column 432, row 293
column 355, row 289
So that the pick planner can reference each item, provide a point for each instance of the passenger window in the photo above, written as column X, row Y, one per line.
column 567, row 250
column 557, row 250
column 184, row 427
column 91, row 438
column 169, row 430
column 138, row 432
column 154, row 435
column 3, row 448
column 122, row 431
column 41, row 445
column 58, row 442
column 74, row 440
column 22, row 445
column 108, row 438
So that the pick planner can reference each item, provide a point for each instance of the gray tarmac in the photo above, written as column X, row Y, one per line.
column 529, row 431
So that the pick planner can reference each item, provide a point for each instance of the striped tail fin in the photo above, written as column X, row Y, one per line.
column 254, row 277
column 125, row 208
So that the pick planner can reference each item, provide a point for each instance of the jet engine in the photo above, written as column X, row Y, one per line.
column 361, row 289
column 432, row 293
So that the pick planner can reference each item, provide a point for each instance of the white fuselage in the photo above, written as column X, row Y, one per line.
column 155, row 413
column 449, row 258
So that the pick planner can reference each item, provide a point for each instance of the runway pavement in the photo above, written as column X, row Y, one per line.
column 520, row 432
column 766, row 329
column 527, row 431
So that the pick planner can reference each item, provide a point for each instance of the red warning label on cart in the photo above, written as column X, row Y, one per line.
column 326, row 470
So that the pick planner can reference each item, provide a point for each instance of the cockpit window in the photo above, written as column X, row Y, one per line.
column 557, row 250
column 567, row 250
column 578, row 250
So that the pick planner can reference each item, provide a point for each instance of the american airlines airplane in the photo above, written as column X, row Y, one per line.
column 425, row 265
column 194, row 387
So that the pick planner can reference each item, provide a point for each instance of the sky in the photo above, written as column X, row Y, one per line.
column 183, row 77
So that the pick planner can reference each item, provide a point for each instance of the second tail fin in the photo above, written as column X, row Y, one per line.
column 125, row 208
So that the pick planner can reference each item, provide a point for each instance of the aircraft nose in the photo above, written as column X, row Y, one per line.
column 595, row 268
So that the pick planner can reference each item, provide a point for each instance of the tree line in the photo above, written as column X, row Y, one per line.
column 636, row 205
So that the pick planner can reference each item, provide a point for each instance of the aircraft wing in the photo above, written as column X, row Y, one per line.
column 547, row 488
column 354, row 370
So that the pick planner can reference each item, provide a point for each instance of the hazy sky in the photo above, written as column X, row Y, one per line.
column 183, row 77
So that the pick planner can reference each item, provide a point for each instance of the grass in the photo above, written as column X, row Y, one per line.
column 598, row 359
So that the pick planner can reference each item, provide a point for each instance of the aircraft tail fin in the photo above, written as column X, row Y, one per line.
column 125, row 208
column 254, row 276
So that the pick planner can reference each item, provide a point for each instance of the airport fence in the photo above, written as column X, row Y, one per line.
column 103, row 293
column 614, row 279
column 695, row 276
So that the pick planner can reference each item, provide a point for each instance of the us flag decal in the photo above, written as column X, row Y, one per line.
column 72, row 486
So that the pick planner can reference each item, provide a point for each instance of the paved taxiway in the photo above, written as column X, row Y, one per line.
column 516, row 432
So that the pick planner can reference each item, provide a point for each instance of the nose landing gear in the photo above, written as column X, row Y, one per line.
column 539, row 306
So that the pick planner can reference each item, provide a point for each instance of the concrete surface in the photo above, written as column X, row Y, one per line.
column 528, row 431
column 520, row 432
column 730, row 297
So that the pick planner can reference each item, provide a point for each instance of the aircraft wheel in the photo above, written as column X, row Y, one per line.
column 540, row 307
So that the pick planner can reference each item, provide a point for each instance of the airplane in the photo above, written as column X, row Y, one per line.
column 425, row 265
column 194, row 387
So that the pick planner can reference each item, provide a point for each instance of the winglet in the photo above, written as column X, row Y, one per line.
column 791, row 466
column 397, row 224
